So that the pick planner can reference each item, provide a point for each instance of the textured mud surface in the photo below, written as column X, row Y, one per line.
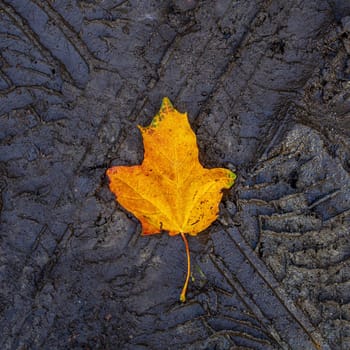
column 266, row 84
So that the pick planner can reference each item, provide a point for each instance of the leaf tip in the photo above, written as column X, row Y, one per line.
column 166, row 106
column 232, row 177
column 141, row 128
column 110, row 171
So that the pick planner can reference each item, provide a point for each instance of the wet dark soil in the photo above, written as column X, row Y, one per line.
column 266, row 84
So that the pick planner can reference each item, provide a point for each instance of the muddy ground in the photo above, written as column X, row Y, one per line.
column 266, row 84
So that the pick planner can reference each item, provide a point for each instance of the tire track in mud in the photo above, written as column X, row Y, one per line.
column 301, row 224
column 75, row 78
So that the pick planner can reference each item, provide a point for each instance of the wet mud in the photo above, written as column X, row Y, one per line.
column 266, row 85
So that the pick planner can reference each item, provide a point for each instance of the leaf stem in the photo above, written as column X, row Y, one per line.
column 184, row 289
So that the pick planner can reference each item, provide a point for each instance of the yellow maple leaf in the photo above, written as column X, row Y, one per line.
column 170, row 190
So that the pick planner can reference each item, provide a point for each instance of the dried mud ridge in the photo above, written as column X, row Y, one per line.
column 266, row 85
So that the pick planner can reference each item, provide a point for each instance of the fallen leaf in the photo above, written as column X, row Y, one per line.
column 170, row 190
